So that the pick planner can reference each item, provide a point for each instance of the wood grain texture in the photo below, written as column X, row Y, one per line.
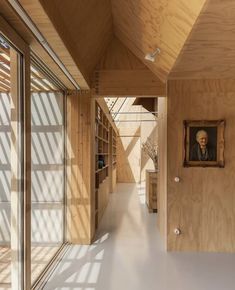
column 112, row 160
column 162, row 165
column 79, row 193
column 128, row 146
column 42, row 21
column 84, row 26
column 148, row 131
column 151, row 190
column 121, row 73
column 209, row 51
column 128, row 159
column 119, row 57
column 105, row 109
column 127, row 83
column 23, row 32
column 202, row 204
column 144, row 25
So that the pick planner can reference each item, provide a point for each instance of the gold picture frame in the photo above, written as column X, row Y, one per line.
column 204, row 143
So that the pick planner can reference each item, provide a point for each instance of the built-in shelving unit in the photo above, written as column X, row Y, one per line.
column 102, row 162
column 101, row 146
column 114, row 149
column 113, row 159
column 105, row 161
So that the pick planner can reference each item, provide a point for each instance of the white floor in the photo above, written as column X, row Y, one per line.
column 128, row 255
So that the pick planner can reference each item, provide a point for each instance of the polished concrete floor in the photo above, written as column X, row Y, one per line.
column 40, row 257
column 128, row 255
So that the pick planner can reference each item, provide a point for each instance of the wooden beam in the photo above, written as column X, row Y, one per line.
column 127, row 83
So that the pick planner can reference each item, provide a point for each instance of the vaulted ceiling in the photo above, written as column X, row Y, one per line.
column 88, row 27
column 195, row 37
column 209, row 51
column 144, row 25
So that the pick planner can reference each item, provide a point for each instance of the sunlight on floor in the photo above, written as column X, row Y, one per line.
column 141, row 192
column 128, row 254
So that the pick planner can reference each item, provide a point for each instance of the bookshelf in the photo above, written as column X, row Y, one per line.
column 114, row 149
column 102, row 162
column 101, row 146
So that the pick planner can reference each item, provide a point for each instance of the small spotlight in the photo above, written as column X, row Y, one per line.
column 152, row 56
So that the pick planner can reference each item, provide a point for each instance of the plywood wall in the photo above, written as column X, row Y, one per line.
column 162, row 165
column 132, row 162
column 148, row 131
column 80, row 199
column 202, row 204
column 128, row 159
column 128, row 147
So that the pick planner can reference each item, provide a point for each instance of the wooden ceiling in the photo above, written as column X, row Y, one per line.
column 85, row 28
column 210, row 50
column 144, row 25
column 121, row 73
column 196, row 37
column 16, row 23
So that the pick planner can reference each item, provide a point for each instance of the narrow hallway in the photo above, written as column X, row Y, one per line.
column 128, row 254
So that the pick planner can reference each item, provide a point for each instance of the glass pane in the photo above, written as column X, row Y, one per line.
column 11, row 196
column 47, row 171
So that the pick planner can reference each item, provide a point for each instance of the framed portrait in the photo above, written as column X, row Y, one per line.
column 204, row 143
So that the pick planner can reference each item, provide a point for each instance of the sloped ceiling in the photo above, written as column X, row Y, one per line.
column 85, row 28
column 121, row 73
column 144, row 25
column 210, row 50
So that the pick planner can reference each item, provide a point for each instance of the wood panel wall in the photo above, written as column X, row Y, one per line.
column 80, row 199
column 132, row 162
column 128, row 146
column 202, row 204
column 162, row 165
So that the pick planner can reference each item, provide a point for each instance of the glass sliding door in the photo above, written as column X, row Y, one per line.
column 11, row 170
column 47, row 125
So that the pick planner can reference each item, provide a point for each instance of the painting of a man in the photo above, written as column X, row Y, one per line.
column 202, row 150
